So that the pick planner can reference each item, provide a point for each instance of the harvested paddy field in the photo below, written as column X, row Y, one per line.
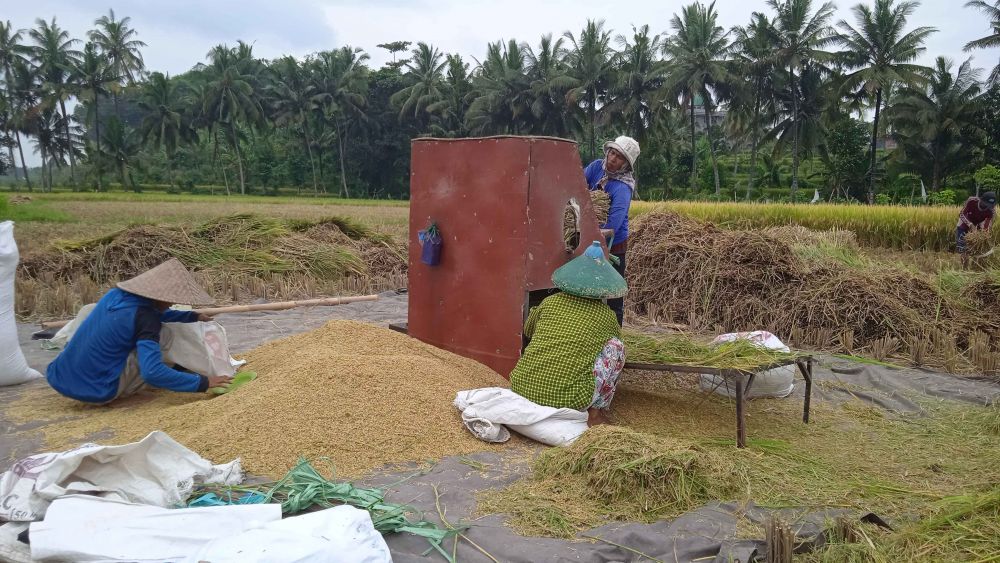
column 357, row 394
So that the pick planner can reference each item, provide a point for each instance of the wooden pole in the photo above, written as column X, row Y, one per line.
column 279, row 306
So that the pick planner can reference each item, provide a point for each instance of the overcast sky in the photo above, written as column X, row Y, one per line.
column 180, row 32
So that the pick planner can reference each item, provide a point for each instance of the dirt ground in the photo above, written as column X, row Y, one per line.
column 447, row 489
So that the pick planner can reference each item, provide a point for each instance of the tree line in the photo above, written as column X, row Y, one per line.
column 795, row 98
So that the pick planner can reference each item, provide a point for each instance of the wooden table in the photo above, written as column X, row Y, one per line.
column 743, row 380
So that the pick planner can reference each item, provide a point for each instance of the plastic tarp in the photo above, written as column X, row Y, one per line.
column 86, row 528
column 13, row 367
column 156, row 471
column 500, row 406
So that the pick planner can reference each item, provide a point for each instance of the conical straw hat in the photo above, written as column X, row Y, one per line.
column 590, row 275
column 169, row 282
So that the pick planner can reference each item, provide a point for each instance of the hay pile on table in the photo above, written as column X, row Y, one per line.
column 237, row 258
column 361, row 395
column 687, row 271
column 681, row 350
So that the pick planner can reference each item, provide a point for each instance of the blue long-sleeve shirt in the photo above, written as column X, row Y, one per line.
column 621, row 197
column 90, row 367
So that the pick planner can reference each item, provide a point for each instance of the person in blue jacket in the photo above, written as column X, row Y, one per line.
column 613, row 174
column 116, row 350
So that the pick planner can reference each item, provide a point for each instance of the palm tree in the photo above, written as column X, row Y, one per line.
column 591, row 60
column 426, row 73
column 165, row 124
column 95, row 79
column 122, row 146
column 55, row 58
column 230, row 98
column 341, row 81
column 24, row 106
column 549, row 82
column 992, row 40
column 804, row 112
column 800, row 35
column 45, row 125
column 698, row 51
column 882, row 51
column 448, row 114
column 633, row 99
column 117, row 41
column 11, row 52
column 503, row 102
column 936, row 124
column 290, row 94
column 753, row 103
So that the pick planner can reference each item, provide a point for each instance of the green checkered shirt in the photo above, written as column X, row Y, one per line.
column 567, row 334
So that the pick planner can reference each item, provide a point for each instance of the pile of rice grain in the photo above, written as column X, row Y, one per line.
column 361, row 395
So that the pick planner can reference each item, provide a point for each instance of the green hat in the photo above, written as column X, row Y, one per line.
column 590, row 275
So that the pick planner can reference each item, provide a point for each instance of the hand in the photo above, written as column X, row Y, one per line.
column 606, row 233
column 203, row 318
column 218, row 380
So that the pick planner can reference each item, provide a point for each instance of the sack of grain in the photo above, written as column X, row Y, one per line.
column 200, row 347
column 13, row 367
column 551, row 426
column 777, row 382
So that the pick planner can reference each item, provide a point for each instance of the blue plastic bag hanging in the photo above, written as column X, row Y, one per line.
column 430, row 242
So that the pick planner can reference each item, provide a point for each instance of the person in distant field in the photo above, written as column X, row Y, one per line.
column 977, row 214
column 116, row 350
column 613, row 174
column 575, row 354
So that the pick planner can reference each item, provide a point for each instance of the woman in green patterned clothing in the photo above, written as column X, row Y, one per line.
column 575, row 354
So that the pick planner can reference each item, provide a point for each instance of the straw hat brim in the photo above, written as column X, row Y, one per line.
column 169, row 282
column 584, row 276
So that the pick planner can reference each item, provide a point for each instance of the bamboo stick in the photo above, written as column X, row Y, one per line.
column 278, row 306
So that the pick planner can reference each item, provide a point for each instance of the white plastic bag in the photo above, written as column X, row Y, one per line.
column 343, row 534
column 199, row 347
column 155, row 470
column 548, row 425
column 13, row 367
column 86, row 528
column 777, row 382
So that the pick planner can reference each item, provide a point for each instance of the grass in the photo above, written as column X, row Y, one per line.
column 31, row 211
column 679, row 349
column 896, row 227
column 929, row 476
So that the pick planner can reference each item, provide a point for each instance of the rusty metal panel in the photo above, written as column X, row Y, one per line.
column 555, row 177
column 477, row 192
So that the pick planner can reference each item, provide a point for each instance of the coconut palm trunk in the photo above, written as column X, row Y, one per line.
column 871, row 166
column 694, row 150
column 99, row 155
column 24, row 167
column 69, row 144
column 239, row 158
column 711, row 145
column 795, row 136
column 755, row 142
column 312, row 159
column 343, row 172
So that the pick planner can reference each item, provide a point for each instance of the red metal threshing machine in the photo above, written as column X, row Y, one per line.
column 498, row 206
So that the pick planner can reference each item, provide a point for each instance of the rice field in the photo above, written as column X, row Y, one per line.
column 899, row 227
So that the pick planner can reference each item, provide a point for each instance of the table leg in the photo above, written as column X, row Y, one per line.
column 741, row 428
column 806, row 368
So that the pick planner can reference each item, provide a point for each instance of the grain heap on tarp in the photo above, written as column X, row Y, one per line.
column 358, row 394
column 238, row 257
column 688, row 271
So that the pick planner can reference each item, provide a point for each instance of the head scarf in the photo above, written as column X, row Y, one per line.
column 624, row 175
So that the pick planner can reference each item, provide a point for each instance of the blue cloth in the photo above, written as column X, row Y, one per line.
column 621, row 197
column 90, row 366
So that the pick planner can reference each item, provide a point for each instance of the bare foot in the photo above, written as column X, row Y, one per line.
column 596, row 417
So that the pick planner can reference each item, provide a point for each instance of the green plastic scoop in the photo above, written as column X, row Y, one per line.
column 239, row 380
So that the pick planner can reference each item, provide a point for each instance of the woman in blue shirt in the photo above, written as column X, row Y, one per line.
column 613, row 174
